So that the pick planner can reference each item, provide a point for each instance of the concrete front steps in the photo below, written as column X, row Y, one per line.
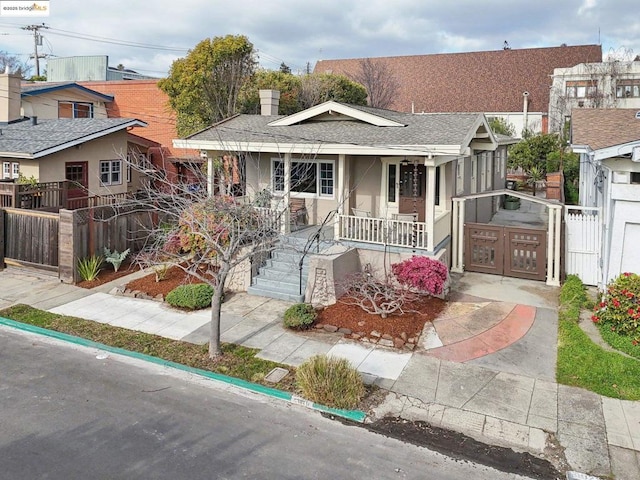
column 280, row 276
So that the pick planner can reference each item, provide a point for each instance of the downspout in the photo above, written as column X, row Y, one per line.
column 525, row 112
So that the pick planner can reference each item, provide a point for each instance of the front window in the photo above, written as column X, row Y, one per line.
column 311, row 177
column 10, row 170
column 111, row 172
column 581, row 89
column 75, row 110
column 393, row 179
column 628, row 88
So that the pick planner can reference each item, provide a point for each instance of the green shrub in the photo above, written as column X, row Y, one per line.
column 89, row 267
column 619, row 309
column 299, row 316
column 330, row 381
column 193, row 296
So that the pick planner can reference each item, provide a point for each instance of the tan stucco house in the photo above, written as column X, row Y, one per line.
column 382, row 180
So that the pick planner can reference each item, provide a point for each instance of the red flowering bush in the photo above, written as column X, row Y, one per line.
column 620, row 307
column 422, row 273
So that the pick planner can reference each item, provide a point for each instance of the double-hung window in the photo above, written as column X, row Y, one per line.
column 313, row 177
column 111, row 172
column 10, row 170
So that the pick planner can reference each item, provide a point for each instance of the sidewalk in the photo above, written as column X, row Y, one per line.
column 507, row 397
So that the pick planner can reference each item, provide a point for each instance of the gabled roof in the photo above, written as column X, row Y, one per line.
column 33, row 89
column 354, row 131
column 598, row 128
column 345, row 112
column 490, row 81
column 25, row 140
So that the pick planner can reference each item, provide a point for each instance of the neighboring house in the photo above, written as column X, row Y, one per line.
column 90, row 67
column 63, row 100
column 384, row 179
column 608, row 141
column 612, row 84
column 144, row 100
column 510, row 84
column 87, row 151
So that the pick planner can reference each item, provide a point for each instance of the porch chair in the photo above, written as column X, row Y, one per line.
column 361, row 213
column 297, row 211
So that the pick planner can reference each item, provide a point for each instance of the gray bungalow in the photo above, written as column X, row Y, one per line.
column 380, row 178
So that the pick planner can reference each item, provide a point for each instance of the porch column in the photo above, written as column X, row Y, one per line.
column 457, row 236
column 286, row 220
column 340, row 196
column 430, row 206
column 210, row 179
column 553, row 245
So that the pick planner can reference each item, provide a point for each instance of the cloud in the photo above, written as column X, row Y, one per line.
column 297, row 32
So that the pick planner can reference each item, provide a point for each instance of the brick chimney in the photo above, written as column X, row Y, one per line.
column 269, row 102
column 11, row 103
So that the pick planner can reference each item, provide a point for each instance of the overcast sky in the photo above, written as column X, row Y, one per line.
column 297, row 32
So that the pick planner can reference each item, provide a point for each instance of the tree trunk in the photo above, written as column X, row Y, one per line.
column 216, row 313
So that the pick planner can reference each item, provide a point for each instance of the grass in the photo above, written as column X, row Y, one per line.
column 582, row 363
column 237, row 361
column 330, row 381
column 619, row 342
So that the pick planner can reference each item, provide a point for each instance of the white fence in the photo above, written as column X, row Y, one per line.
column 583, row 242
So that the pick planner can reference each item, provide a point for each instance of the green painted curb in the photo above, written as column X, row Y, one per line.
column 354, row 415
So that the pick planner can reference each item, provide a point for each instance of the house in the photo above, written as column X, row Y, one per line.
column 62, row 100
column 611, row 84
column 144, row 100
column 383, row 180
column 87, row 152
column 512, row 84
column 608, row 141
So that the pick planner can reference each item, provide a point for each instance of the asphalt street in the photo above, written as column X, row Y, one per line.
column 69, row 412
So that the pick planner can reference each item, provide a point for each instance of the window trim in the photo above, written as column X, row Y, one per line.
column 74, row 108
column 110, row 172
column 317, row 162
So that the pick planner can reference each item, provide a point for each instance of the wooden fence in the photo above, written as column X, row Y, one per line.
column 31, row 238
column 56, row 241
column 89, row 231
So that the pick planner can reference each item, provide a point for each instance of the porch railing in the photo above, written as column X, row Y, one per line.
column 399, row 233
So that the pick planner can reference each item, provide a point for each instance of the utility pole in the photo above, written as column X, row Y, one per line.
column 37, row 41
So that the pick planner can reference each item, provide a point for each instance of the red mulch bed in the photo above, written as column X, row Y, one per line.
column 107, row 274
column 175, row 277
column 372, row 328
column 397, row 329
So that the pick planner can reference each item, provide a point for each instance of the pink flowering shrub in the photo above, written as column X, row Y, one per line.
column 422, row 273
column 620, row 307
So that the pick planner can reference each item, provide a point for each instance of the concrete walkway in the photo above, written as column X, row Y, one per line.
column 507, row 396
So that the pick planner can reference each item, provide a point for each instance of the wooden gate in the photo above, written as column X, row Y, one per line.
column 510, row 251
column 31, row 238
column 582, row 246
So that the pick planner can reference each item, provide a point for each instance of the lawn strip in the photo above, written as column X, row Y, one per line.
column 237, row 361
column 584, row 364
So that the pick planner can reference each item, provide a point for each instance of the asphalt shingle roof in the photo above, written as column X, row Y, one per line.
column 427, row 129
column 490, row 81
column 604, row 127
column 25, row 138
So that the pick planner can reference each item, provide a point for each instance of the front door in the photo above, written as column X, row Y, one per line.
column 413, row 183
column 77, row 174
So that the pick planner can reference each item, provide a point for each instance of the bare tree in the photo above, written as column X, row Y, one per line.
column 379, row 80
column 376, row 294
column 205, row 236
